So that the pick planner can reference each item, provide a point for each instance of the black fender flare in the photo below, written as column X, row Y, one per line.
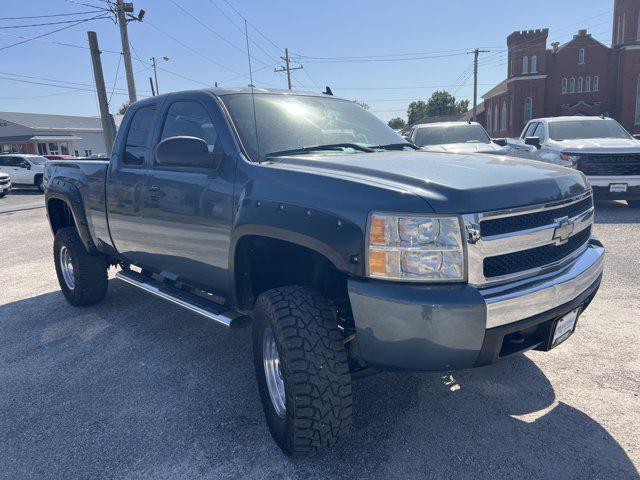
column 68, row 193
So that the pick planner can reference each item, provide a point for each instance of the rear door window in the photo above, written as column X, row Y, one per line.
column 137, row 142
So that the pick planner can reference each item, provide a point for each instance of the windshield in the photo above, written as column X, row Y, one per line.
column 580, row 129
column 445, row 134
column 38, row 160
column 293, row 122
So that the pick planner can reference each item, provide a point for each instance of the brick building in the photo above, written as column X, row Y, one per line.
column 580, row 77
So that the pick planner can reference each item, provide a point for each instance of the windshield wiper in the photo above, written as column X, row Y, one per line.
column 394, row 146
column 316, row 148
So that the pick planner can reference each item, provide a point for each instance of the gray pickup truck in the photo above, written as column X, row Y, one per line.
column 347, row 250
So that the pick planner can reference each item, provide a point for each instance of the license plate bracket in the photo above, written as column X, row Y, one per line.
column 564, row 327
column 618, row 187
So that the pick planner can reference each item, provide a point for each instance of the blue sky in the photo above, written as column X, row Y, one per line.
column 318, row 33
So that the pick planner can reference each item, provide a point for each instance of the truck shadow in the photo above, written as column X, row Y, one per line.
column 616, row 213
column 137, row 388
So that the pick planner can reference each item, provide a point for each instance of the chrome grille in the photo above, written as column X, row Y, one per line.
column 513, row 244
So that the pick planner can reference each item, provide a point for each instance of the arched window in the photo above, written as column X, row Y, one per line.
column 580, row 84
column 528, row 109
column 534, row 64
column 495, row 118
column 503, row 119
column 511, row 112
column 581, row 56
column 637, row 122
column 596, row 83
column 572, row 85
column 587, row 85
column 525, row 65
column 565, row 85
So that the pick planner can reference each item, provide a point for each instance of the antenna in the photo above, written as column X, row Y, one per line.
column 253, row 97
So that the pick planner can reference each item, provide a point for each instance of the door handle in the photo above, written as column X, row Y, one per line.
column 154, row 188
column 155, row 192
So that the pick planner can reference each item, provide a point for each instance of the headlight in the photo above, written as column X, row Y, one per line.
column 418, row 248
column 573, row 159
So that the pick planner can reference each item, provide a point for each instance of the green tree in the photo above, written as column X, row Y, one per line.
column 443, row 103
column 362, row 104
column 416, row 111
column 123, row 108
column 397, row 123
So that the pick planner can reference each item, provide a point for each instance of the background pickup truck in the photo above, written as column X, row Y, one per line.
column 346, row 248
column 599, row 147
column 454, row 137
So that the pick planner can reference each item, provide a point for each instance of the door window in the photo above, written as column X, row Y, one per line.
column 539, row 132
column 136, row 144
column 190, row 119
column 529, row 130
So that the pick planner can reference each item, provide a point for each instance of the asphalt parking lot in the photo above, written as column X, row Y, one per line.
column 137, row 388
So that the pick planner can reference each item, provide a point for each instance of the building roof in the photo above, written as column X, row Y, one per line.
column 497, row 90
column 46, row 121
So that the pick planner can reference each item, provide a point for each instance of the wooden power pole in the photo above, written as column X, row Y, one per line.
column 108, row 125
column 476, row 54
column 126, row 52
column 287, row 67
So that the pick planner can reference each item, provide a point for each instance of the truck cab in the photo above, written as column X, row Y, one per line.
column 453, row 137
column 599, row 147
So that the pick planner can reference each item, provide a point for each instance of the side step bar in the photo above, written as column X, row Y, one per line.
column 189, row 301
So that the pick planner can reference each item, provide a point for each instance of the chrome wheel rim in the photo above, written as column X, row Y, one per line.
column 273, row 372
column 66, row 265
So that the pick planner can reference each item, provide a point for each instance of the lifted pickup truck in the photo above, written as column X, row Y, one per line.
column 348, row 250
column 599, row 147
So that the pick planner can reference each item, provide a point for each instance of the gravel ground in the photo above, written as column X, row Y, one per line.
column 137, row 388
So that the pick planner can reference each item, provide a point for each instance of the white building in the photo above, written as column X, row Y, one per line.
column 46, row 134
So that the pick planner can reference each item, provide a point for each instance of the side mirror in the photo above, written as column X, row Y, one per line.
column 533, row 141
column 500, row 141
column 26, row 165
column 186, row 152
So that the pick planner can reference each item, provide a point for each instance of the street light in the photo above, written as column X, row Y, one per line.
column 154, row 60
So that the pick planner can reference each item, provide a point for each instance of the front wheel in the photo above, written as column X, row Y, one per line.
column 39, row 181
column 302, row 370
column 82, row 276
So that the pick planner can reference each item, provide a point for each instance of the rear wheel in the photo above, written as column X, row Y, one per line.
column 302, row 370
column 82, row 277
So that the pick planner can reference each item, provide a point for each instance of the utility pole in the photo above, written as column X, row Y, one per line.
column 476, row 54
column 108, row 125
column 153, row 92
column 287, row 68
column 154, row 61
column 126, row 52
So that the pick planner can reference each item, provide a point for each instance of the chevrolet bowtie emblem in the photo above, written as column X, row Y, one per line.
column 564, row 229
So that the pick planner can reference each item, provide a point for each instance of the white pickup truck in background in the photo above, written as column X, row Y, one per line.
column 599, row 147
column 454, row 137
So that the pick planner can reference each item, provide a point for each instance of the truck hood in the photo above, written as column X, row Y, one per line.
column 464, row 148
column 599, row 145
column 450, row 183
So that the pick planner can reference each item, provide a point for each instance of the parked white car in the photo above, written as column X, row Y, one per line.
column 24, row 169
column 453, row 137
column 5, row 184
column 599, row 147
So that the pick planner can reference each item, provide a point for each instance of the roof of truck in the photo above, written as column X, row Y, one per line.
column 219, row 91
column 573, row 118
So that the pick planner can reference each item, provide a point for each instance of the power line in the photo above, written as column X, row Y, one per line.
column 49, row 16
column 193, row 50
column 403, row 59
column 231, row 44
column 115, row 80
column 309, row 57
column 254, row 27
column 63, row 44
column 30, row 39
column 40, row 24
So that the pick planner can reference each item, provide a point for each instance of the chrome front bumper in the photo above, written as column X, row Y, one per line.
column 524, row 299
column 605, row 181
